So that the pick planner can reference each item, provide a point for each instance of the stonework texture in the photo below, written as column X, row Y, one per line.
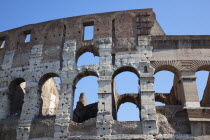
column 34, row 107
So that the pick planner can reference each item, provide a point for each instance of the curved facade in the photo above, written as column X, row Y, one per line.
column 124, row 41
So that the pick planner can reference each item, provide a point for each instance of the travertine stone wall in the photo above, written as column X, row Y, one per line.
column 124, row 41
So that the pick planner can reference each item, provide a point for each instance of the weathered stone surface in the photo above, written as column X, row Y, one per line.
column 33, row 107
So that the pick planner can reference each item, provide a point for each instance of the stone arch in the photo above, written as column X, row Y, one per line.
column 84, row 74
column 126, row 68
column 132, row 98
column 16, row 96
column 170, row 68
column 90, row 48
column 120, row 99
column 175, row 94
column 170, row 65
column 49, row 94
column 159, row 97
column 203, row 67
column 83, row 111
column 45, row 77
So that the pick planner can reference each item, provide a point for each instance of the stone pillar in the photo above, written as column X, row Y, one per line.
column 188, row 80
column 30, row 109
column 4, row 103
column 148, row 111
column 65, row 112
column 104, row 116
column 65, row 109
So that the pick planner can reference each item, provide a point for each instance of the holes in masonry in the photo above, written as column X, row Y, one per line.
column 145, row 69
column 88, row 31
column 113, row 59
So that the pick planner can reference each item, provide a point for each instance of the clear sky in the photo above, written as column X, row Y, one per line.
column 177, row 17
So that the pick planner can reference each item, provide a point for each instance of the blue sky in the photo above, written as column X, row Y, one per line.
column 177, row 17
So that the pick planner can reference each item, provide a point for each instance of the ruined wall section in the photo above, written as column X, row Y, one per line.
column 124, row 41
column 52, row 34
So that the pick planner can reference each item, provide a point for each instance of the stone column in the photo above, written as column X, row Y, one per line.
column 148, row 111
column 104, row 116
column 30, row 109
column 65, row 109
column 65, row 112
column 188, row 80
column 4, row 103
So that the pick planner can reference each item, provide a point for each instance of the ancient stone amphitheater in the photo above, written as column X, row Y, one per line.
column 33, row 107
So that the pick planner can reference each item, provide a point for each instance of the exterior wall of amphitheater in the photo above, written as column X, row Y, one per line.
column 124, row 41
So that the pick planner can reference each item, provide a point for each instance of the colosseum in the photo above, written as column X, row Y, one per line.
column 34, row 107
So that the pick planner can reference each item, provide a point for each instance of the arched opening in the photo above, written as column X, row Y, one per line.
column 126, row 80
column 168, row 86
column 49, row 88
column 203, row 87
column 128, row 112
column 125, row 88
column 87, row 55
column 163, row 86
column 16, row 96
column 87, row 58
column 85, row 96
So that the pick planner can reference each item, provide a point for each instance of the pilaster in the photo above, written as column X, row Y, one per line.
column 65, row 109
column 29, row 110
column 188, row 80
column 104, row 116
column 65, row 112
column 148, row 111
